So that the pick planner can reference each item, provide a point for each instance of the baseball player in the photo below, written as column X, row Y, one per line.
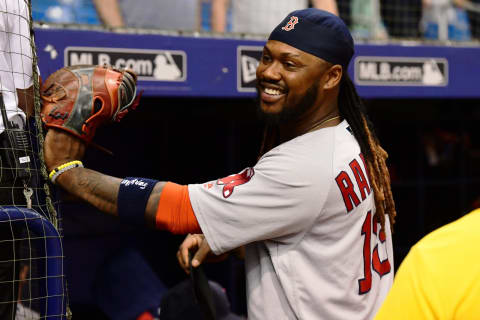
column 16, row 91
column 439, row 277
column 314, row 213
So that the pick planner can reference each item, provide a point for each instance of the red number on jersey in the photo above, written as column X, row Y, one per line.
column 369, row 259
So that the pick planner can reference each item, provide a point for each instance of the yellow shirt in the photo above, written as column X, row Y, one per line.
column 440, row 277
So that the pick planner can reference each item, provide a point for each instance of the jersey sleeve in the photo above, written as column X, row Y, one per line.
column 413, row 294
column 276, row 198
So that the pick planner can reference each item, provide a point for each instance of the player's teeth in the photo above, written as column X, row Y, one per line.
column 272, row 91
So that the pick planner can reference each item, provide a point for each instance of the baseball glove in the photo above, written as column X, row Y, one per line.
column 79, row 99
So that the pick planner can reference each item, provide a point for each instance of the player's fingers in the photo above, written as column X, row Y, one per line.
column 189, row 244
column 201, row 254
column 183, row 259
column 181, row 262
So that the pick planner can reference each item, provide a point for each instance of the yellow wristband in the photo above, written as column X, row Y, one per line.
column 64, row 167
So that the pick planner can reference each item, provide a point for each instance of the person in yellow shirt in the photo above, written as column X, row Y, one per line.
column 440, row 277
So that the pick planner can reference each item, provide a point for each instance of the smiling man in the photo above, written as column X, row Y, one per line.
column 314, row 213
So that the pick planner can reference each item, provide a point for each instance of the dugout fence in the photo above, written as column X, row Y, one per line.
column 32, row 282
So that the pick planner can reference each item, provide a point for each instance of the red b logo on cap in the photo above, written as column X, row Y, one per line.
column 290, row 24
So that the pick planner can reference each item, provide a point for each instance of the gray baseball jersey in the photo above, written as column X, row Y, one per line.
column 305, row 213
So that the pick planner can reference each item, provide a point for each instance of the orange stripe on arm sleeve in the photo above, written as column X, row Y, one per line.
column 175, row 212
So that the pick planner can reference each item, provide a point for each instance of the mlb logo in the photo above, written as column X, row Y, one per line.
column 169, row 66
column 248, row 58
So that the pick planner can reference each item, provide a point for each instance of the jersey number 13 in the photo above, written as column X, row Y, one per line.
column 372, row 259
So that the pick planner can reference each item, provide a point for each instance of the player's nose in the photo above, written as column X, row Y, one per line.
column 271, row 72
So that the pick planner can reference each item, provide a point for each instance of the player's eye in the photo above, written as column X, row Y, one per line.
column 290, row 65
column 266, row 58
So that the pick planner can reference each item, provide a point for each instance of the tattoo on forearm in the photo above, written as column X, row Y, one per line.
column 97, row 189
column 87, row 181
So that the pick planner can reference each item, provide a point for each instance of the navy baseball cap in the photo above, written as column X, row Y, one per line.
column 317, row 32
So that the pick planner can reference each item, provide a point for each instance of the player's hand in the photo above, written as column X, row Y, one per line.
column 61, row 147
column 197, row 243
column 193, row 243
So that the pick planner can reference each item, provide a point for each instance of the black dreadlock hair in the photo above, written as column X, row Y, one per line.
column 353, row 110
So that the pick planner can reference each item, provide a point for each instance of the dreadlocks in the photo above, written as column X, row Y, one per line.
column 352, row 109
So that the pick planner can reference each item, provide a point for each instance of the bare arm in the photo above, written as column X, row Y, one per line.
column 95, row 188
column 327, row 5
column 219, row 15
column 109, row 12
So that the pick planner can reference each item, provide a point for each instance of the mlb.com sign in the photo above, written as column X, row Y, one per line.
column 401, row 71
column 149, row 65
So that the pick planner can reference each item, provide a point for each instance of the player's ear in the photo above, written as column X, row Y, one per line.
column 333, row 76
